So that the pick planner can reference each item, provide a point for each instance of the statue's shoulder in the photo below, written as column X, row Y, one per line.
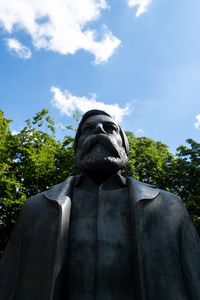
column 149, row 189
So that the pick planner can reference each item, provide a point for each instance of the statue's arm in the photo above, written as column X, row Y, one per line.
column 9, row 263
column 190, row 258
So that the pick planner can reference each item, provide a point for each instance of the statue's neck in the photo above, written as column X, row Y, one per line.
column 100, row 177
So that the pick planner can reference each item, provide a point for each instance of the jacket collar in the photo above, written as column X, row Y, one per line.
column 138, row 190
column 141, row 191
column 60, row 191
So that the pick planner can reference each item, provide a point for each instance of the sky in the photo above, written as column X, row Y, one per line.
column 139, row 60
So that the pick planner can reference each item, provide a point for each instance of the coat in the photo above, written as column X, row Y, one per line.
column 166, row 244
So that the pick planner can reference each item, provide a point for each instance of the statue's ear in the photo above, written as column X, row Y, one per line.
column 125, row 140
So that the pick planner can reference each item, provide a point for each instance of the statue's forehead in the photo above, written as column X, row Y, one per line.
column 99, row 119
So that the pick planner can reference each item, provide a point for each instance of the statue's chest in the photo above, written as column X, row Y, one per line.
column 99, row 257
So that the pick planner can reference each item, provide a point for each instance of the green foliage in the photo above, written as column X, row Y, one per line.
column 9, row 185
column 187, row 170
column 33, row 160
column 30, row 162
column 11, row 198
column 186, row 177
column 193, row 206
column 149, row 161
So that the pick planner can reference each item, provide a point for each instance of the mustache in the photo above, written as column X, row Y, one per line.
column 102, row 139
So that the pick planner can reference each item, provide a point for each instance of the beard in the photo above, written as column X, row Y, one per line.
column 100, row 153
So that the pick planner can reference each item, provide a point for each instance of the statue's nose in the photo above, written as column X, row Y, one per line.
column 99, row 128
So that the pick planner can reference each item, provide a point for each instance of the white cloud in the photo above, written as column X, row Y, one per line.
column 59, row 25
column 15, row 47
column 139, row 132
column 197, row 123
column 68, row 104
column 143, row 5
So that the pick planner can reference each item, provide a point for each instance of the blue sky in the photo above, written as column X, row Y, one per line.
column 137, row 59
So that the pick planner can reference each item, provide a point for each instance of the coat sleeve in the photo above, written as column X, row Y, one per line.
column 9, row 264
column 190, row 258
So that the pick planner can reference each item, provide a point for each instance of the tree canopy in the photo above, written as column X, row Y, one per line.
column 33, row 160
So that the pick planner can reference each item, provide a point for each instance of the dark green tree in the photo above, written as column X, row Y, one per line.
column 41, row 160
column 186, row 178
column 149, row 161
column 30, row 162
column 11, row 198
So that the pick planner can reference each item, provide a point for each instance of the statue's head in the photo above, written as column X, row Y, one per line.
column 100, row 144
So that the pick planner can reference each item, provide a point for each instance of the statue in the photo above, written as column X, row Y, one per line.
column 100, row 235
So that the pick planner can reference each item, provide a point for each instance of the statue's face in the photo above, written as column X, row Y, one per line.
column 100, row 145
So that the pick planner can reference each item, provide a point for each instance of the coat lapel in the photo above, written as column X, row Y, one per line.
column 140, row 195
column 140, row 191
column 60, row 195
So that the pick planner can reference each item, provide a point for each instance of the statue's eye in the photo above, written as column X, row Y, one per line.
column 87, row 128
column 110, row 127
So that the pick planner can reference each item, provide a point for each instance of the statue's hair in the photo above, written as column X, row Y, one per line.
column 95, row 112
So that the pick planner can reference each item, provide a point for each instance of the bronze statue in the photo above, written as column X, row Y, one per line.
column 100, row 236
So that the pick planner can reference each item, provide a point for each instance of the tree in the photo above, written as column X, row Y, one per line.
column 41, row 160
column 30, row 162
column 149, row 161
column 186, row 178
column 11, row 198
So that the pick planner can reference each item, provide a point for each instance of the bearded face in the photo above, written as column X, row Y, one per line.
column 100, row 146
